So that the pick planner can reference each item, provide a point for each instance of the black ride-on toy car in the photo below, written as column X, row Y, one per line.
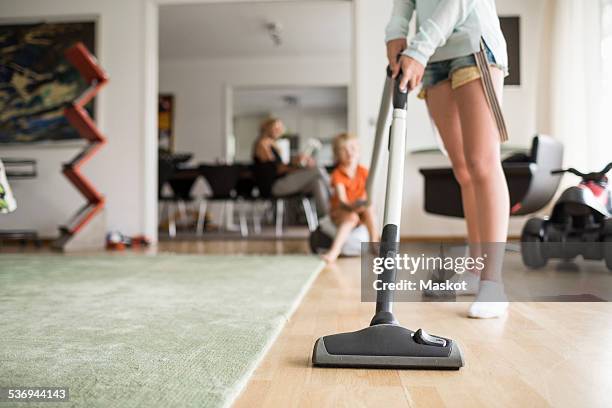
column 580, row 224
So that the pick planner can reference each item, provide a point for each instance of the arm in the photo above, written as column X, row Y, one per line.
column 341, row 193
column 397, row 31
column 400, row 19
column 361, row 204
column 262, row 152
column 282, row 168
column 434, row 32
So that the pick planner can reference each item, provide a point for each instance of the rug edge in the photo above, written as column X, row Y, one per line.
column 244, row 380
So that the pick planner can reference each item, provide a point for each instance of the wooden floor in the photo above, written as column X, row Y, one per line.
column 541, row 354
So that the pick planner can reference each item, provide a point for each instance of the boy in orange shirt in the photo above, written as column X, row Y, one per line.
column 348, row 203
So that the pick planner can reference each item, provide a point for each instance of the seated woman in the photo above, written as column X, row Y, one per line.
column 300, row 176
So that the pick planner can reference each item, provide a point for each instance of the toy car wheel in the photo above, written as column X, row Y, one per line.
column 607, row 243
column 531, row 244
column 607, row 249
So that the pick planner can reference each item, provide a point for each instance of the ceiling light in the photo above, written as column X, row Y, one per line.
column 291, row 100
column 274, row 30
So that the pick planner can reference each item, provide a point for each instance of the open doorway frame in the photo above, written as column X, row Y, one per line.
column 151, row 90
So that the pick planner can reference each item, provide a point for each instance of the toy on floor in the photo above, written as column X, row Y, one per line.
column 116, row 241
column 580, row 224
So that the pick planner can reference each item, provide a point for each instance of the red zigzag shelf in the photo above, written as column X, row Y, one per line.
column 77, row 116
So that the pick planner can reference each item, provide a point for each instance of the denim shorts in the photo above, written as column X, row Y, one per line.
column 460, row 71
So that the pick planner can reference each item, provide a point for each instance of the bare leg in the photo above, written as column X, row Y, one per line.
column 346, row 224
column 482, row 153
column 481, row 147
column 443, row 109
column 367, row 217
column 445, row 114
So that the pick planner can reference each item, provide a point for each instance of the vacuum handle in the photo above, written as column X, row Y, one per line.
column 389, row 243
column 380, row 135
column 391, row 93
column 400, row 98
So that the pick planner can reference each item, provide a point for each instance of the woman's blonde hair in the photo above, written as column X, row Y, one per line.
column 339, row 141
column 265, row 126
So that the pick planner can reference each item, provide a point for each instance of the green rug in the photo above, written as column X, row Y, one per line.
column 143, row 331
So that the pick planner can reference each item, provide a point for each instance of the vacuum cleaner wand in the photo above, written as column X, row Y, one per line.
column 386, row 344
column 379, row 138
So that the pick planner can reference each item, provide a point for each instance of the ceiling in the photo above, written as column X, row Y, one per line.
column 237, row 29
column 249, row 101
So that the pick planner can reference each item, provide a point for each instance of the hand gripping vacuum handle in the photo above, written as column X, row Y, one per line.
column 391, row 93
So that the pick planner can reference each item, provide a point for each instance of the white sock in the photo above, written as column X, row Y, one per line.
column 490, row 302
column 471, row 280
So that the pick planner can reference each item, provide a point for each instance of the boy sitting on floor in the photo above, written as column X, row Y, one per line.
column 348, row 203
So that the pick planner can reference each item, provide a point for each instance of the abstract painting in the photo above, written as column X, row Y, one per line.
column 165, row 122
column 37, row 82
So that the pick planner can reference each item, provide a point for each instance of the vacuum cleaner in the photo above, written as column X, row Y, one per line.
column 386, row 344
column 580, row 224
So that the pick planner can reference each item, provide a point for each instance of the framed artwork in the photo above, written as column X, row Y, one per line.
column 165, row 122
column 511, row 27
column 37, row 82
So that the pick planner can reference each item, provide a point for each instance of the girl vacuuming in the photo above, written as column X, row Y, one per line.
column 459, row 55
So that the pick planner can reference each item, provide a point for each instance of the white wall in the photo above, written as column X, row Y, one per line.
column 47, row 201
column 120, row 169
column 125, row 170
column 526, row 106
column 522, row 105
column 200, row 89
column 246, row 130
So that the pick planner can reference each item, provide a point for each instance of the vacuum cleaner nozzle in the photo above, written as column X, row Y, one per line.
column 387, row 346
